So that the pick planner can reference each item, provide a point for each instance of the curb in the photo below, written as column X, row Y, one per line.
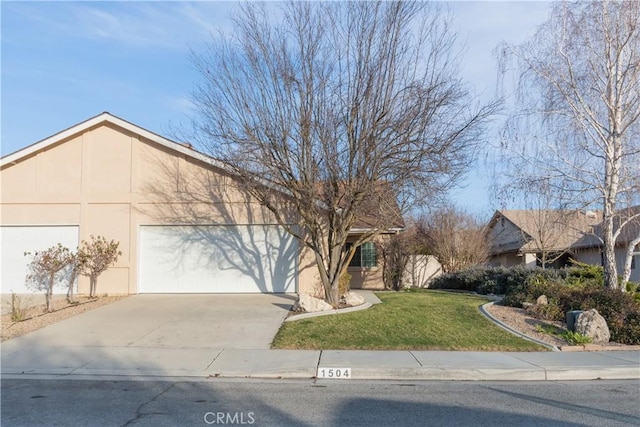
column 328, row 312
column 488, row 315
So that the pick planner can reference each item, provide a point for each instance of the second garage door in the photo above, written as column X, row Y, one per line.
column 217, row 259
column 15, row 241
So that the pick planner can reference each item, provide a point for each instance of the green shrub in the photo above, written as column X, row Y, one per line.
column 551, row 311
column 619, row 309
column 492, row 280
column 633, row 289
column 582, row 273
column 575, row 338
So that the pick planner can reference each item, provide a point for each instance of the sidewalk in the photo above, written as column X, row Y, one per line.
column 303, row 364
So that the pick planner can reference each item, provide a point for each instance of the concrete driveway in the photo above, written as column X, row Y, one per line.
column 151, row 335
column 171, row 321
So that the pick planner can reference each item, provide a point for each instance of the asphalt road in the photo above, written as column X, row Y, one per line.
column 90, row 402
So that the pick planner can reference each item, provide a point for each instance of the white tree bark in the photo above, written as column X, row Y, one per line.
column 578, row 121
column 626, row 273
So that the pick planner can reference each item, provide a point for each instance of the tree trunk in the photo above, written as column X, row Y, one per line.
column 332, row 296
column 330, row 280
column 608, row 246
column 72, row 280
column 92, row 286
column 49, row 294
column 626, row 274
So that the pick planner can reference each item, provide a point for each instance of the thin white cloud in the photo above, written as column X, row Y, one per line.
column 170, row 25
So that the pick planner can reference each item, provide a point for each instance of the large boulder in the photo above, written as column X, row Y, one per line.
column 591, row 324
column 311, row 304
column 352, row 299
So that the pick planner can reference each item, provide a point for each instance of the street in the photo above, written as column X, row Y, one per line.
column 216, row 401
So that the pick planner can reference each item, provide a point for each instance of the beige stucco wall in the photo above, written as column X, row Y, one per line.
column 111, row 181
column 421, row 270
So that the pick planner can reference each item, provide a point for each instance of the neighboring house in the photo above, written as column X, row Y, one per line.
column 519, row 237
column 184, row 224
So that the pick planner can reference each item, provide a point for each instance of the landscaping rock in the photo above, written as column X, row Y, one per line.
column 570, row 319
column 591, row 324
column 527, row 305
column 310, row 304
column 352, row 299
column 542, row 300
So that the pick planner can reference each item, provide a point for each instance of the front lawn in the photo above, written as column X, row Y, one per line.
column 428, row 320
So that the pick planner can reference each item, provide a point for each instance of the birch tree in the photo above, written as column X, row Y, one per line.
column 575, row 124
column 347, row 108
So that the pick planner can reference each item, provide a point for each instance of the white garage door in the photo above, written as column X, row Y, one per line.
column 17, row 240
column 217, row 259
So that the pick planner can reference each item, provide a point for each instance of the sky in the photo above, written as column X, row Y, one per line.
column 64, row 62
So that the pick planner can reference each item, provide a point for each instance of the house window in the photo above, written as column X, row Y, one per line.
column 365, row 255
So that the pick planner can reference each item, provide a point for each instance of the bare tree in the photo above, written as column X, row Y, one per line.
column 576, row 123
column 395, row 257
column 45, row 267
column 550, row 230
column 95, row 257
column 337, row 105
column 454, row 237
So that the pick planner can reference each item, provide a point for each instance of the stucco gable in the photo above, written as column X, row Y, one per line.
column 94, row 122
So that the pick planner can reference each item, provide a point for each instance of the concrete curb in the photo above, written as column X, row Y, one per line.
column 370, row 300
column 328, row 312
column 488, row 315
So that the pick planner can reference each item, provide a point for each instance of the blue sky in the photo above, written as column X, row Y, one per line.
column 64, row 62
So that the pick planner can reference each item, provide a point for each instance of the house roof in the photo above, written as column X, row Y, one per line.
column 367, row 220
column 382, row 203
column 629, row 231
column 562, row 229
column 553, row 230
column 96, row 121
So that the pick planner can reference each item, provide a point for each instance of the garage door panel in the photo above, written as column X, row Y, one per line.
column 15, row 241
column 217, row 259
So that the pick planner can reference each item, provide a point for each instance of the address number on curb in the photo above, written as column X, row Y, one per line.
column 334, row 373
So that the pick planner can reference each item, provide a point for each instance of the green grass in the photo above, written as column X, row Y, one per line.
column 429, row 320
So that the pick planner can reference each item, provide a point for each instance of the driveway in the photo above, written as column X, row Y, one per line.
column 148, row 326
column 172, row 321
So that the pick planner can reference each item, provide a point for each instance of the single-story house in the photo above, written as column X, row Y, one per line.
column 183, row 223
column 518, row 237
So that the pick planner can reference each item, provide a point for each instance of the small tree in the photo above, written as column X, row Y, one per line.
column 95, row 257
column 454, row 237
column 395, row 256
column 45, row 267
